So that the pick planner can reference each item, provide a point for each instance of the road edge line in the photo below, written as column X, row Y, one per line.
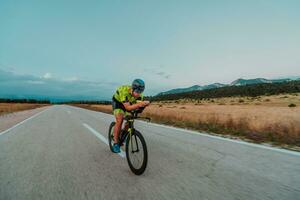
column 295, row 153
column 102, row 138
column 262, row 146
column 22, row 122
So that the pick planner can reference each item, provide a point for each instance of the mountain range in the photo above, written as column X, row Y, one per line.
column 238, row 82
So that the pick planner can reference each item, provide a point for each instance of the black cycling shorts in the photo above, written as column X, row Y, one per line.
column 117, row 105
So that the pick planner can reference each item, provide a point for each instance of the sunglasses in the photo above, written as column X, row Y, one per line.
column 139, row 90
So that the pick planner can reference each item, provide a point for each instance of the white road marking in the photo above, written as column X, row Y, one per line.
column 102, row 138
column 184, row 131
column 22, row 122
column 295, row 153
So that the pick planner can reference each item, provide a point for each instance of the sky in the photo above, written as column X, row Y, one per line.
column 88, row 48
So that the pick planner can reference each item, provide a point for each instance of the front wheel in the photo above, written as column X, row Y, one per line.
column 136, row 153
column 111, row 135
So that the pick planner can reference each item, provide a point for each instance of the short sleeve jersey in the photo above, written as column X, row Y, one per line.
column 124, row 95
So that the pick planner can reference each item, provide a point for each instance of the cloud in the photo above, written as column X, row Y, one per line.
column 74, row 78
column 14, row 85
column 47, row 75
column 8, row 68
column 158, row 72
column 163, row 74
column 35, row 82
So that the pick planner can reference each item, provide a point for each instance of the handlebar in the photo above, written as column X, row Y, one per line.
column 130, row 117
column 134, row 114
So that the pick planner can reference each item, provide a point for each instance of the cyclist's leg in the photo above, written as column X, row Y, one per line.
column 119, row 115
column 126, row 126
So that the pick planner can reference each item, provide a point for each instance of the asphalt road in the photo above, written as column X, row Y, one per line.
column 61, row 154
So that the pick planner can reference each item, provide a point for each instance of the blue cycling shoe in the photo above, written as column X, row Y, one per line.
column 116, row 148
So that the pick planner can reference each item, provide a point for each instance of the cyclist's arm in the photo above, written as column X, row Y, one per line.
column 130, row 107
column 133, row 106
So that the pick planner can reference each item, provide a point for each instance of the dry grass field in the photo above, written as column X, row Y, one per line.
column 14, row 107
column 262, row 119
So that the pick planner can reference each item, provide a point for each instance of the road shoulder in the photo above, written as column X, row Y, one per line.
column 12, row 119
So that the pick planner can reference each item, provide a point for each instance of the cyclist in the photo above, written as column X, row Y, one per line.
column 126, row 98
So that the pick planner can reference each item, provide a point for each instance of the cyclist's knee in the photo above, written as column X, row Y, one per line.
column 119, row 119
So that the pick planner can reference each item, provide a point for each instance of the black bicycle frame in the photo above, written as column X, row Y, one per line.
column 130, row 130
column 127, row 133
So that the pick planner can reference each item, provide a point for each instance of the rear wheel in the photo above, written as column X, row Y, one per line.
column 111, row 135
column 136, row 153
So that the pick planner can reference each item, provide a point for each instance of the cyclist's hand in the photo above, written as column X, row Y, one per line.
column 140, row 103
column 143, row 103
column 146, row 103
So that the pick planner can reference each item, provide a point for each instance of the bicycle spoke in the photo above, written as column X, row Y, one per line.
column 112, row 135
column 136, row 157
column 137, row 146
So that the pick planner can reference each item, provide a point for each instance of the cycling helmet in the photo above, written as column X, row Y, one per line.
column 138, row 85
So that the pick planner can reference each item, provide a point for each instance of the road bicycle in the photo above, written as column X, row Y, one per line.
column 135, row 145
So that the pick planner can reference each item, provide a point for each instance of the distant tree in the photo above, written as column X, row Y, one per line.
column 254, row 90
column 87, row 102
column 24, row 101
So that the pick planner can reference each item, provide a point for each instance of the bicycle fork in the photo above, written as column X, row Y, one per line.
column 130, row 130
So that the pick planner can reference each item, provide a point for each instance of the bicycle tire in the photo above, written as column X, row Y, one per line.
column 140, row 170
column 110, row 136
